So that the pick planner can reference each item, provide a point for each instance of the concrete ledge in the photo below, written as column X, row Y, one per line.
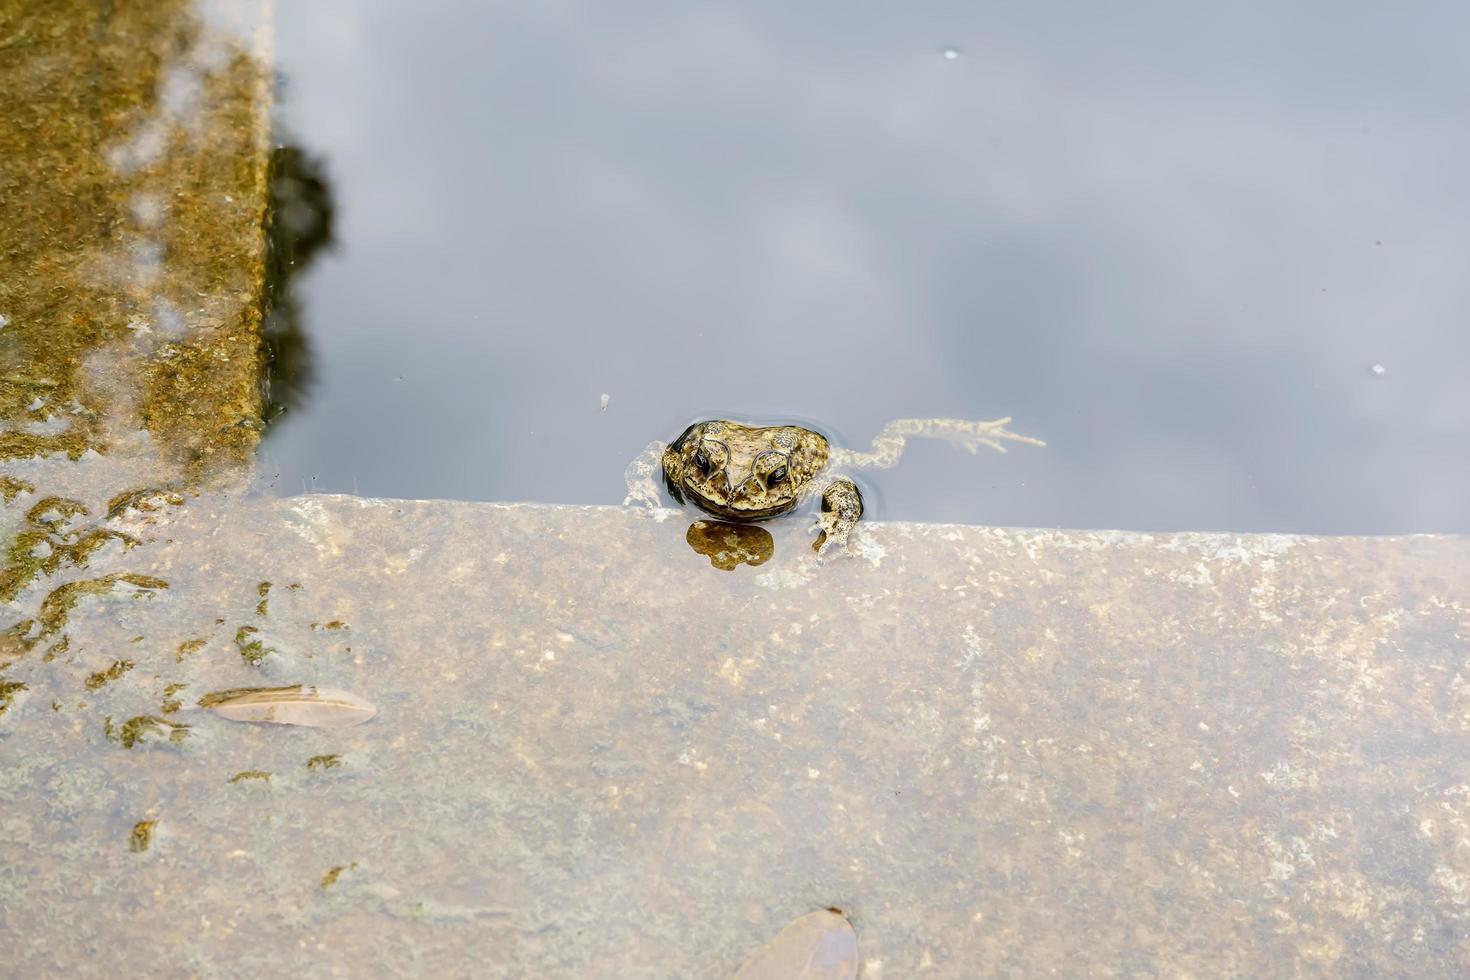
column 1000, row 751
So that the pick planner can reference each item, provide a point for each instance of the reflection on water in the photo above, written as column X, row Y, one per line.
column 728, row 546
column 131, row 244
column 298, row 227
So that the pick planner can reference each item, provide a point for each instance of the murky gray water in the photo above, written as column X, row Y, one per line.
column 1174, row 243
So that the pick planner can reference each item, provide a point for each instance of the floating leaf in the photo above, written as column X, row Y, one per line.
column 818, row 946
column 313, row 707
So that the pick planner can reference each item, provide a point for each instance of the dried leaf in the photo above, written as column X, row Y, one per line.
column 818, row 946
column 313, row 707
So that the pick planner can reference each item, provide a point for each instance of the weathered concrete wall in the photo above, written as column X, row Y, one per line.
column 999, row 751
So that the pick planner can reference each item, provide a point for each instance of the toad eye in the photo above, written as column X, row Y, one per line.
column 701, row 459
column 776, row 476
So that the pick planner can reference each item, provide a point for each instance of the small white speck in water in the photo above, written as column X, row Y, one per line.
column 1378, row 370
column 602, row 403
column 4, row 321
column 951, row 54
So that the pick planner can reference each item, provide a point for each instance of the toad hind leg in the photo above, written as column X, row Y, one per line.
column 842, row 507
column 969, row 435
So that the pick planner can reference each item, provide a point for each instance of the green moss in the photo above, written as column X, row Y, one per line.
column 25, row 561
column 259, row 774
column 68, row 208
column 264, row 591
column 145, row 499
column 79, row 551
column 52, row 513
column 324, row 762
column 58, row 648
column 10, row 488
column 145, row 728
column 171, row 703
column 58, row 605
column 142, row 836
column 8, row 691
column 16, row 641
column 252, row 651
column 42, row 546
column 189, row 648
column 101, row 677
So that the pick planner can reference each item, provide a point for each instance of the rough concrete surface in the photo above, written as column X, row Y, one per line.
column 1000, row 752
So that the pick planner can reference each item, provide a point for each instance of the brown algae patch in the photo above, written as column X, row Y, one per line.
column 101, row 677
column 74, row 169
column 10, row 488
column 53, row 513
column 142, row 836
column 144, row 729
column 189, row 648
column 332, row 874
column 171, row 704
column 252, row 650
column 251, row 774
column 263, row 606
column 147, row 500
column 9, row 690
column 59, row 604
column 324, row 762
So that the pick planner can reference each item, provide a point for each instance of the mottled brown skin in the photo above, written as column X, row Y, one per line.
column 753, row 473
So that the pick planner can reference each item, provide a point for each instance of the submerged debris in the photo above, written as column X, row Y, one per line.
column 312, row 707
column 818, row 946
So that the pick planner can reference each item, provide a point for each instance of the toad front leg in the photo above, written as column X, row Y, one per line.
column 842, row 507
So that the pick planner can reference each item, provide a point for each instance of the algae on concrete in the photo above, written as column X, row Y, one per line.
column 133, row 239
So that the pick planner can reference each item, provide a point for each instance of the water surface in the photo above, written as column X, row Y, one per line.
column 1173, row 243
